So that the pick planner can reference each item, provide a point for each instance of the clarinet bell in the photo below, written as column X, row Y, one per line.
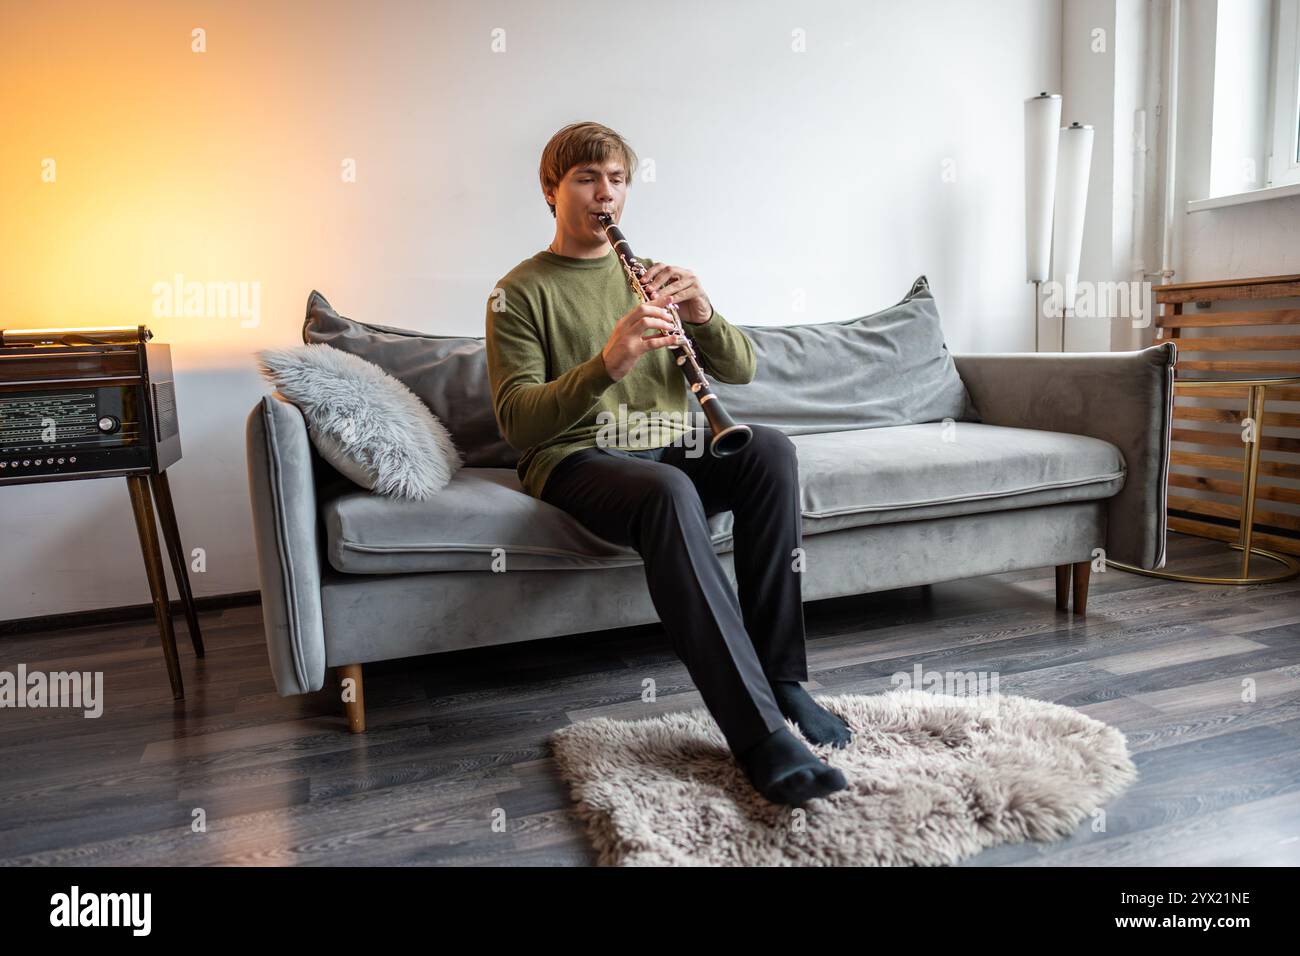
column 730, row 440
column 728, row 437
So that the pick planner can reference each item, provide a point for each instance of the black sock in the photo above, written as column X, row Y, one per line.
column 784, row 770
column 816, row 722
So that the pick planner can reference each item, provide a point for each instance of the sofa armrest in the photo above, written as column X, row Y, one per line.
column 283, row 496
column 1126, row 398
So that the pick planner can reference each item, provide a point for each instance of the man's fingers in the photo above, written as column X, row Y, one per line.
column 663, row 341
column 659, row 319
column 676, row 288
column 650, row 274
column 659, row 334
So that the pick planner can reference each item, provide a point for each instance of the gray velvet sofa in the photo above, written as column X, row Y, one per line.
column 1054, row 457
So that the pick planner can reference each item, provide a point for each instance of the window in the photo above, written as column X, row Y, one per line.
column 1284, row 152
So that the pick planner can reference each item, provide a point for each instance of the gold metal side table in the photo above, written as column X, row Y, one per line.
column 1249, row 479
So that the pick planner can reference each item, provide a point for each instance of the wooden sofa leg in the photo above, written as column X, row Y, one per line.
column 1063, row 587
column 354, row 698
column 1081, row 571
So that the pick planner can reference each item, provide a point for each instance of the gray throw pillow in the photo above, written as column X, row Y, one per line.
column 364, row 422
column 891, row 367
column 448, row 373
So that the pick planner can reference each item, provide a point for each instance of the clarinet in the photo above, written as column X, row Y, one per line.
column 728, row 437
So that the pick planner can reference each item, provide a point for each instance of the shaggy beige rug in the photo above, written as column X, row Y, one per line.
column 933, row 779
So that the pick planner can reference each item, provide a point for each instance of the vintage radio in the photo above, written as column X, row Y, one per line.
column 100, row 403
column 85, row 403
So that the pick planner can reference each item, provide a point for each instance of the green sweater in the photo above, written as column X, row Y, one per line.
column 547, row 321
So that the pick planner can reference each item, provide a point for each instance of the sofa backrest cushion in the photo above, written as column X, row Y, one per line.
column 891, row 367
column 448, row 371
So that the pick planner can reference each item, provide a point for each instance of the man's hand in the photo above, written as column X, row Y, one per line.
column 667, row 283
column 628, row 342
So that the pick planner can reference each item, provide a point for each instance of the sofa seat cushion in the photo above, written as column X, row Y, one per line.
column 459, row 529
column 849, row 479
column 914, row 472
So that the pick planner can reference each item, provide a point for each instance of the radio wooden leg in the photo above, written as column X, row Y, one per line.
column 138, row 487
column 162, row 494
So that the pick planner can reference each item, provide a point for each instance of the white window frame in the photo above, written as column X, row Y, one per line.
column 1284, row 97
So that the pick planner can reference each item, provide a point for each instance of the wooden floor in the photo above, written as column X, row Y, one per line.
column 457, row 740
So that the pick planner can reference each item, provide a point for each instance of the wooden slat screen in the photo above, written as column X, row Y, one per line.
column 1207, row 456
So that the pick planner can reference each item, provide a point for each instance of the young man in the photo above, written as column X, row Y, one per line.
column 567, row 349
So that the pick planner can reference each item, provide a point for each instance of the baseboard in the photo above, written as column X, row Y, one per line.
column 116, row 615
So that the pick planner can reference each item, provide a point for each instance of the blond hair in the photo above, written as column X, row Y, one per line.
column 581, row 143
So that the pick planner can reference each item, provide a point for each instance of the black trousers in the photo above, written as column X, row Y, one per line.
column 657, row 502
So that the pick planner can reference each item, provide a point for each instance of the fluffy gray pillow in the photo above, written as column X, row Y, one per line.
column 447, row 372
column 364, row 422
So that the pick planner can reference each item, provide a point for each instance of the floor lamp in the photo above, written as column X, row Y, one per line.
column 1057, row 164
column 1074, row 161
column 1042, row 139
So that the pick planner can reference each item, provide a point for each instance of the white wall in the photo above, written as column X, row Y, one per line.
column 1112, row 51
column 1133, row 201
column 776, row 172
column 1088, row 76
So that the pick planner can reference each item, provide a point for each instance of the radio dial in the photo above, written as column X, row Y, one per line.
column 108, row 424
